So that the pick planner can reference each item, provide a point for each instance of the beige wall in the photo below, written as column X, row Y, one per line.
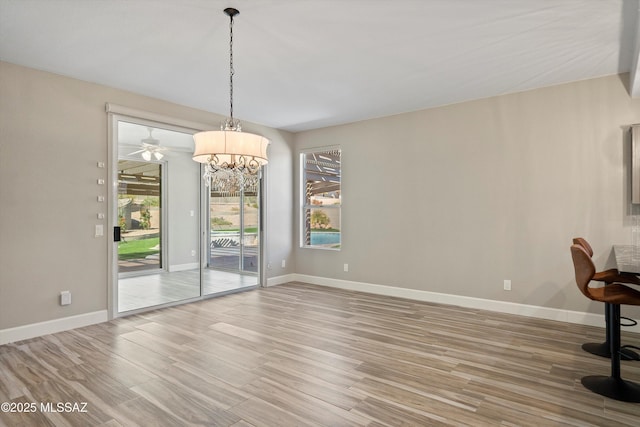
column 53, row 131
column 452, row 200
column 457, row 199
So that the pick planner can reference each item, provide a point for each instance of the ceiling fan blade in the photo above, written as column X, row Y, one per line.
column 150, row 141
column 136, row 152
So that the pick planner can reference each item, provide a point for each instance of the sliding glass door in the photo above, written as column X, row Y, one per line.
column 174, row 239
column 234, row 240
column 158, row 215
column 234, row 232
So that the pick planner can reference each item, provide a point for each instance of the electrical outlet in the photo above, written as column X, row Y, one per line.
column 193, row 252
column 65, row 298
column 284, row 263
column 346, row 267
column 269, row 266
column 507, row 285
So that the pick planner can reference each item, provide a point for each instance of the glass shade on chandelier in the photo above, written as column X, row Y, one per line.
column 232, row 158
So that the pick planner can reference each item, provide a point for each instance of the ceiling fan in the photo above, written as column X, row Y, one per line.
column 150, row 147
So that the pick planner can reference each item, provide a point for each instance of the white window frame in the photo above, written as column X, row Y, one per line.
column 304, row 207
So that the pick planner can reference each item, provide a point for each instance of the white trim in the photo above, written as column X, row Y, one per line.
column 184, row 267
column 112, row 208
column 148, row 115
column 33, row 330
column 561, row 315
column 262, row 225
column 301, row 193
column 20, row 333
column 280, row 280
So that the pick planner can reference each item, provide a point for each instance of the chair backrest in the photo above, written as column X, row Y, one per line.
column 582, row 242
column 584, row 268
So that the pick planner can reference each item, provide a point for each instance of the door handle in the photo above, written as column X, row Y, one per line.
column 116, row 234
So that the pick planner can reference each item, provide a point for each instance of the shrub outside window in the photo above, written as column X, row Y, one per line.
column 322, row 198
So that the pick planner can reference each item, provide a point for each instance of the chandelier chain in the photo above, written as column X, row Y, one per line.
column 232, row 159
column 231, row 70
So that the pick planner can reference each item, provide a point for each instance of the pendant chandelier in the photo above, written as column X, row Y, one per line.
column 232, row 158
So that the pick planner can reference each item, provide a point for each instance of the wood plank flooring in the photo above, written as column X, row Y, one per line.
column 303, row 355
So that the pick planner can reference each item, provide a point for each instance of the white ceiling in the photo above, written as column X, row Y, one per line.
column 304, row 64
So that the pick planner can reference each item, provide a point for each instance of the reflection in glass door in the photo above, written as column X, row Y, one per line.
column 158, row 206
column 139, row 216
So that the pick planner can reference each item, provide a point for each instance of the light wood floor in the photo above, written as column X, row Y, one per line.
column 302, row 355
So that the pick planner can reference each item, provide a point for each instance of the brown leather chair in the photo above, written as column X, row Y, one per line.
column 587, row 247
column 608, row 276
column 614, row 294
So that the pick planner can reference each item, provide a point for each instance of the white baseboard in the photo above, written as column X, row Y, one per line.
column 58, row 325
column 25, row 332
column 184, row 267
column 279, row 280
column 569, row 316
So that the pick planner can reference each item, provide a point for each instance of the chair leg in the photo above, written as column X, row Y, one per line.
column 613, row 386
column 601, row 349
column 604, row 349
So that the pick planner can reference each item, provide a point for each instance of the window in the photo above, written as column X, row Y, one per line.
column 322, row 200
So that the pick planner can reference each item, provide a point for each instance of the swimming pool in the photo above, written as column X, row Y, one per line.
column 325, row 237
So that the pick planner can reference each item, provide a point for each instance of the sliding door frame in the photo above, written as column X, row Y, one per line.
column 116, row 113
